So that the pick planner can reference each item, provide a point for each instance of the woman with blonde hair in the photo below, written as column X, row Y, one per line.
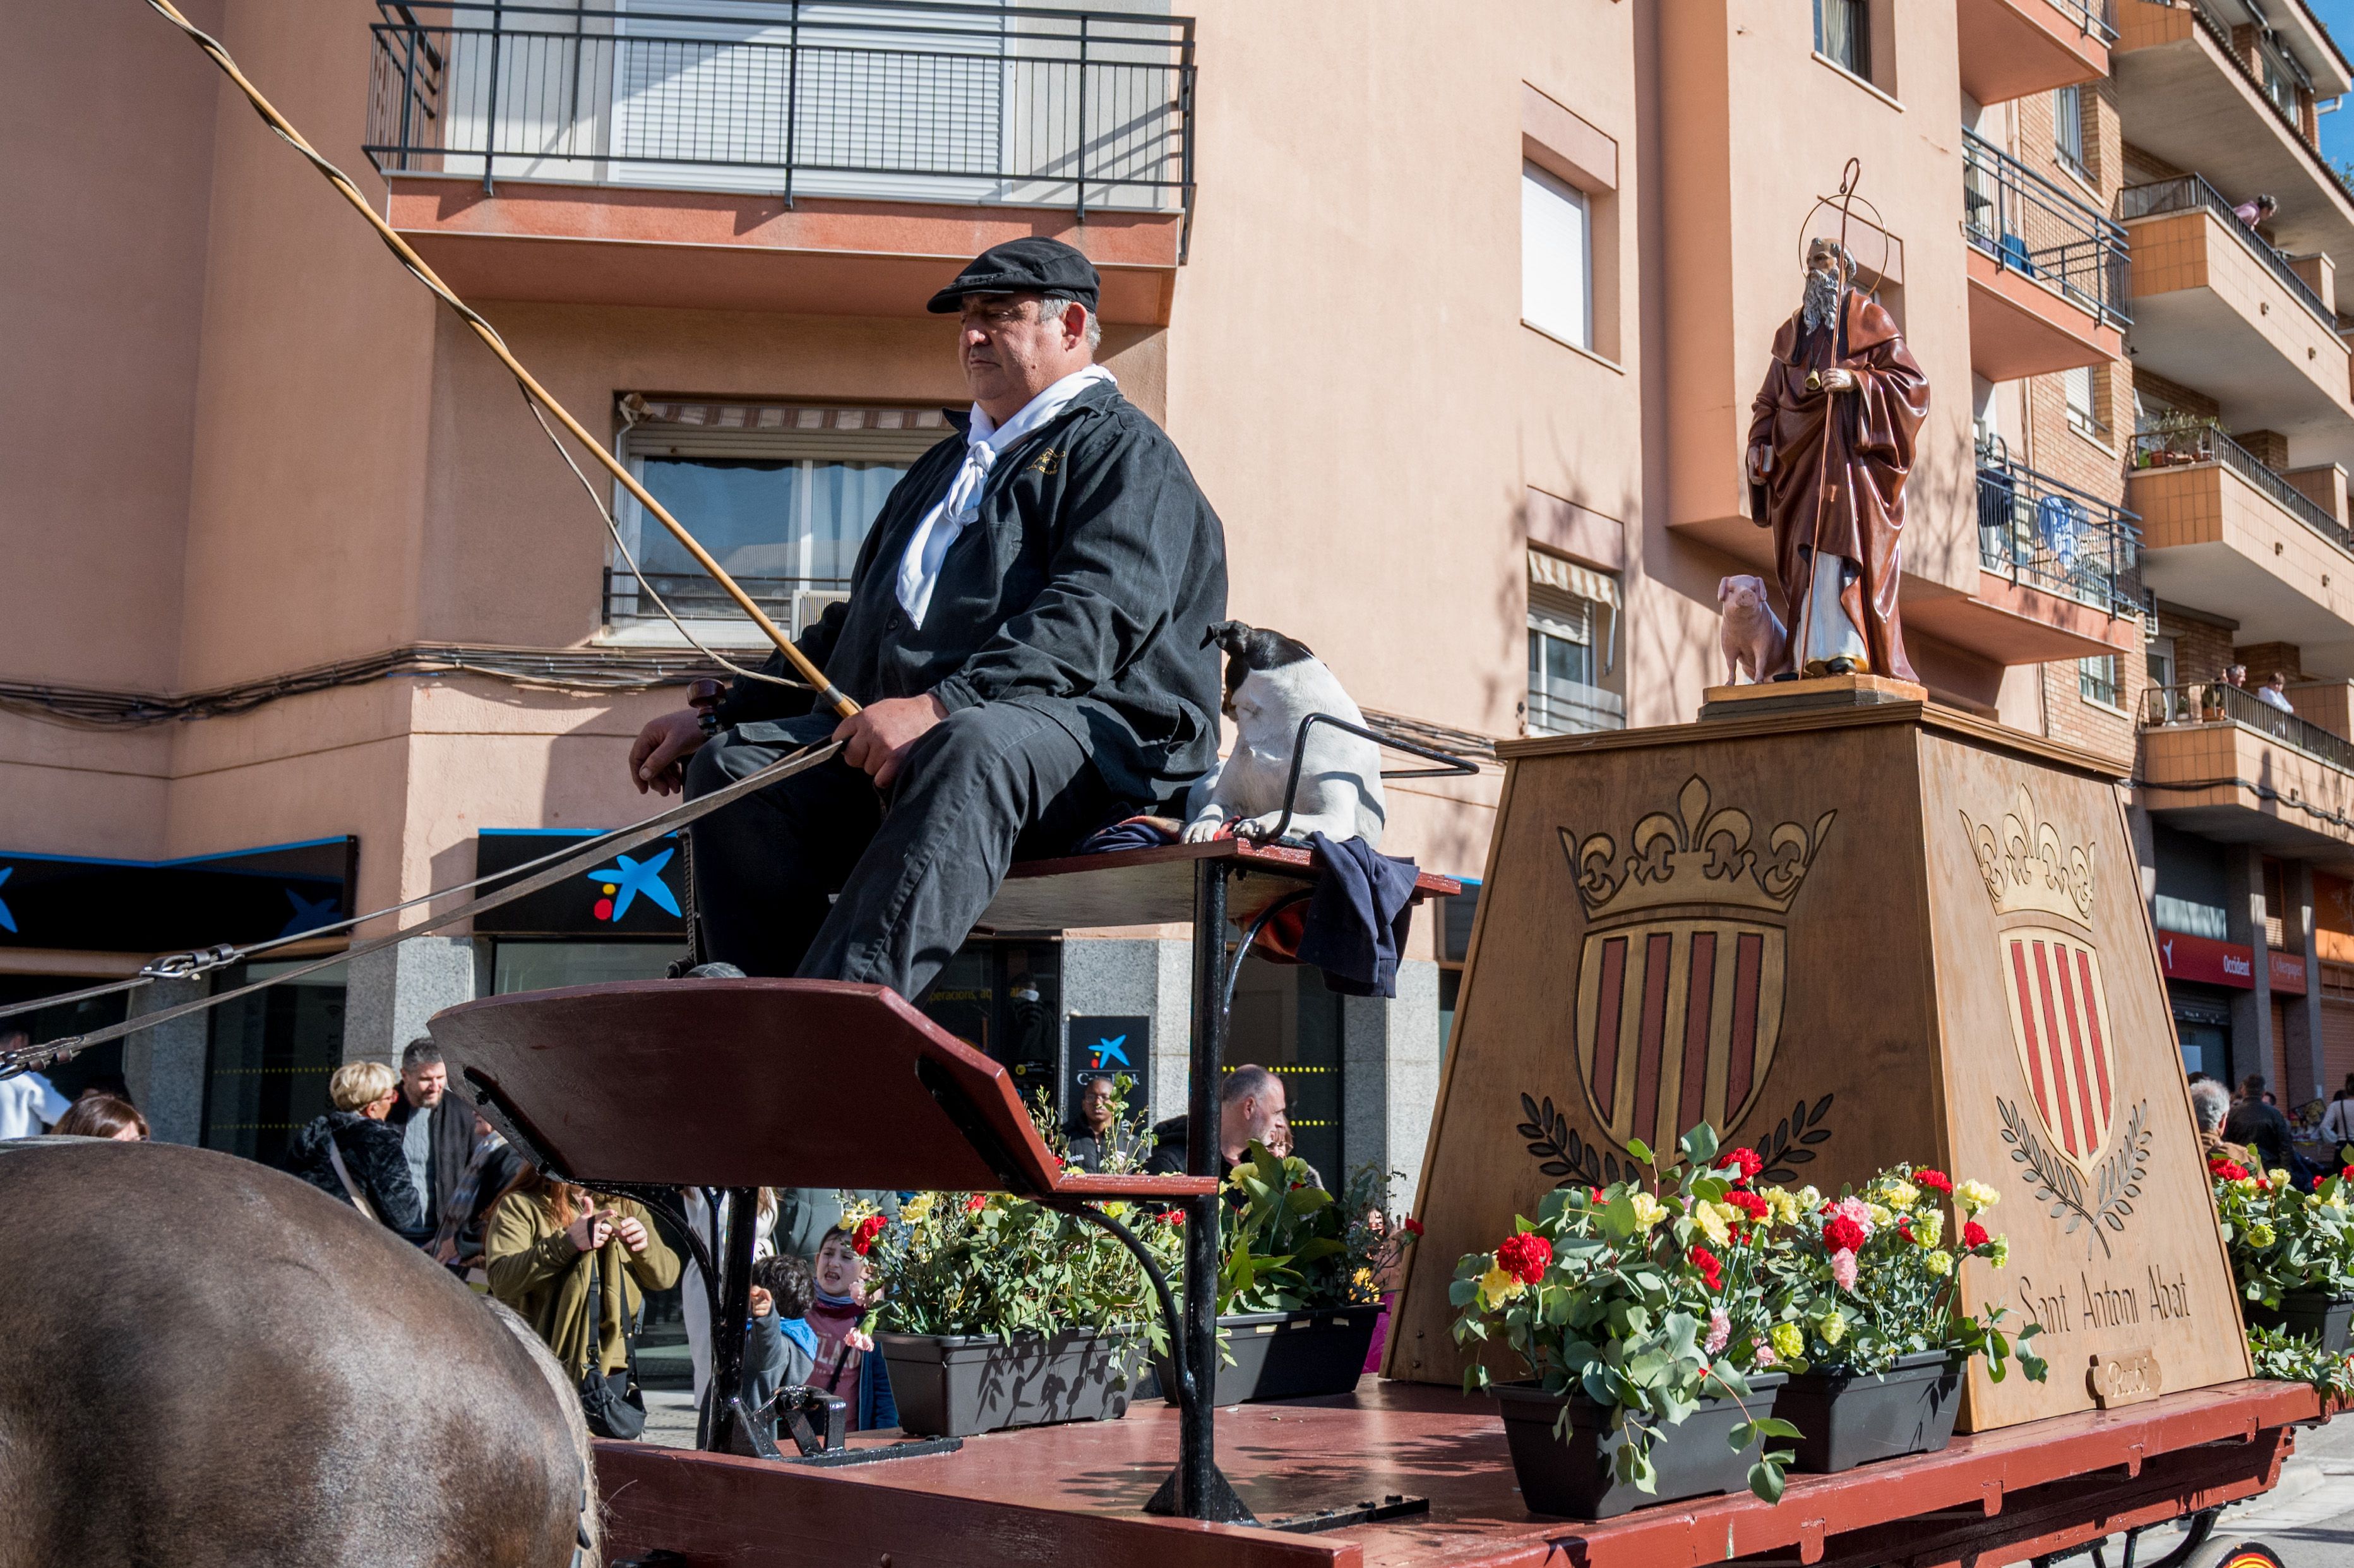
column 575, row 1267
column 349, row 1153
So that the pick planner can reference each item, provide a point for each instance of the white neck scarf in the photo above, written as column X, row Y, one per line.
column 919, row 568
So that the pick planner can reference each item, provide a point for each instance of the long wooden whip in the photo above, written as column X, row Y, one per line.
column 828, row 693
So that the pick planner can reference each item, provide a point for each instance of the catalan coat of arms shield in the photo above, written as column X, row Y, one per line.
column 2040, row 884
column 1681, row 975
column 2060, row 1024
column 1677, row 1021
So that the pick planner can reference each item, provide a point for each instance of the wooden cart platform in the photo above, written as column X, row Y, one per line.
column 1072, row 1494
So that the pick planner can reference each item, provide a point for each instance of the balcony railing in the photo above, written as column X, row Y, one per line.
column 886, row 98
column 2219, row 30
column 2189, row 193
column 2098, row 17
column 791, row 602
column 2043, row 534
column 2172, row 449
column 2214, row 701
column 2037, row 230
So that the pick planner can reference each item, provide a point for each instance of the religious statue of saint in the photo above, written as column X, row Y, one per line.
column 1830, row 443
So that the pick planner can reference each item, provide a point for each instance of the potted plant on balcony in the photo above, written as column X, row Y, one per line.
column 1299, row 1279
column 1867, row 1317
column 2292, row 1252
column 995, row 1312
column 1639, row 1310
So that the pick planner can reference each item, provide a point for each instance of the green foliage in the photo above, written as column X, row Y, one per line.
column 1643, row 1296
column 2278, row 1356
column 1289, row 1243
column 1900, row 1294
column 2281, row 1239
column 969, row 1263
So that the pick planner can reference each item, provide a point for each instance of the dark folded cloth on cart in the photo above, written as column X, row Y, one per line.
column 1354, row 923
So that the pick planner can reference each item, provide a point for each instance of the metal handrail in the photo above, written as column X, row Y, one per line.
column 2096, row 16
column 2036, row 228
column 2218, row 701
column 696, row 598
column 2162, row 448
column 2219, row 32
column 2046, row 534
column 2191, row 192
column 905, row 99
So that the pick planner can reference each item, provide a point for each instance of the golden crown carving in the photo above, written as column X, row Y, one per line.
column 2026, row 866
column 1695, row 856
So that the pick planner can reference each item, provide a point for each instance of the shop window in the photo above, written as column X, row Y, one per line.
column 781, row 495
column 544, row 966
column 1556, row 256
column 1286, row 1019
column 268, row 1058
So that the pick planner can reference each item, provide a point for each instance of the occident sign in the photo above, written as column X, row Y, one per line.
column 2189, row 958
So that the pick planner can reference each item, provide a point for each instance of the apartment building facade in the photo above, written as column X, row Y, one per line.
column 1457, row 325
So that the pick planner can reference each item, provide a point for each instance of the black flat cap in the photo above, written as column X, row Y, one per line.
column 1030, row 266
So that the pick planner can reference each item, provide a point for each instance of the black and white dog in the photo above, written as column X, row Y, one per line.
column 1272, row 683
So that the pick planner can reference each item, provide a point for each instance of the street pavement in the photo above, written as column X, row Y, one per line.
column 2308, row 1519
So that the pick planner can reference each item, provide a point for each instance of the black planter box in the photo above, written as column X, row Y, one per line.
column 2307, row 1315
column 1286, row 1355
column 1846, row 1420
column 1574, row 1479
column 960, row 1385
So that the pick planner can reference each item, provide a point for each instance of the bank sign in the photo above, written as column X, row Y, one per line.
column 93, row 904
column 2203, row 958
column 641, row 892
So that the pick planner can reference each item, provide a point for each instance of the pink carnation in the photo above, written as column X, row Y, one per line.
column 1844, row 1269
column 1720, row 1332
column 1855, row 1209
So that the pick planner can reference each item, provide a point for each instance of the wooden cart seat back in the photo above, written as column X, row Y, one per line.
column 748, row 1083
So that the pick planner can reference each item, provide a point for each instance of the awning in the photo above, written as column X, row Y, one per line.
column 1550, row 571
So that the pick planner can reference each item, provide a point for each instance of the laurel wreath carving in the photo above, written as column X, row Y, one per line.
column 1566, row 1157
column 1561, row 1152
column 1792, row 1141
column 2116, row 1182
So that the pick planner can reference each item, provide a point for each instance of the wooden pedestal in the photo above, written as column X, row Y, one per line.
column 1847, row 932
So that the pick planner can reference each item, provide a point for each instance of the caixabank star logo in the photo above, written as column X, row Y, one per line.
column 621, row 883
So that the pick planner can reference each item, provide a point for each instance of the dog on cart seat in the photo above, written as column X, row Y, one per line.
column 1272, row 683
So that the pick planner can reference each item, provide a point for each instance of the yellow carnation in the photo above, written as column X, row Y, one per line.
column 1880, row 1215
column 2279, row 1178
column 1901, row 1195
column 1833, row 1328
column 914, row 1210
column 1939, row 1263
column 1928, row 1227
column 1712, row 1223
column 1972, row 1196
column 1789, row 1341
column 1496, row 1287
column 1999, row 1254
column 1649, row 1211
column 1786, row 1206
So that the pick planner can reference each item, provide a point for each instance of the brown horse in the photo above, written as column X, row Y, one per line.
column 208, row 1364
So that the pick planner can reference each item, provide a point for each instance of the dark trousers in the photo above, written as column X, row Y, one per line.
column 989, row 783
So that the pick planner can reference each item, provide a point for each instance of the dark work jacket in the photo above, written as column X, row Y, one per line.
column 1082, row 590
column 372, row 1153
column 452, row 1146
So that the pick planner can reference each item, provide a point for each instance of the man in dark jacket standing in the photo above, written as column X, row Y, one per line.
column 1024, row 629
column 436, row 1125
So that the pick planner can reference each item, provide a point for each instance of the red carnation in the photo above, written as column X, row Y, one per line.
column 1525, row 1257
column 1934, row 1179
column 1974, row 1233
column 1750, row 1204
column 1712, row 1269
column 863, row 1238
column 1842, row 1234
column 1904, row 1229
column 1174, row 1217
column 1744, row 1162
column 975, row 1203
column 1411, row 1227
column 2229, row 1169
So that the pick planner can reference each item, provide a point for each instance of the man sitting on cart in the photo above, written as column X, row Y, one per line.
column 1024, row 629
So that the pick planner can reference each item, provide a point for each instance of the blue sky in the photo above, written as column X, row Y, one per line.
column 2337, row 130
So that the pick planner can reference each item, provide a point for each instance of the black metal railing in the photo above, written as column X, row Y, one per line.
column 889, row 98
column 2098, row 17
column 2216, row 702
column 694, row 597
column 2037, row 229
column 2043, row 534
column 2205, row 443
column 2218, row 28
column 2191, row 192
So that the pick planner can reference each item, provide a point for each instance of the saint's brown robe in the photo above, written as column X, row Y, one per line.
column 1839, row 459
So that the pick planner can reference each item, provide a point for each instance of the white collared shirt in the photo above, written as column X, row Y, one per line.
column 919, row 568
